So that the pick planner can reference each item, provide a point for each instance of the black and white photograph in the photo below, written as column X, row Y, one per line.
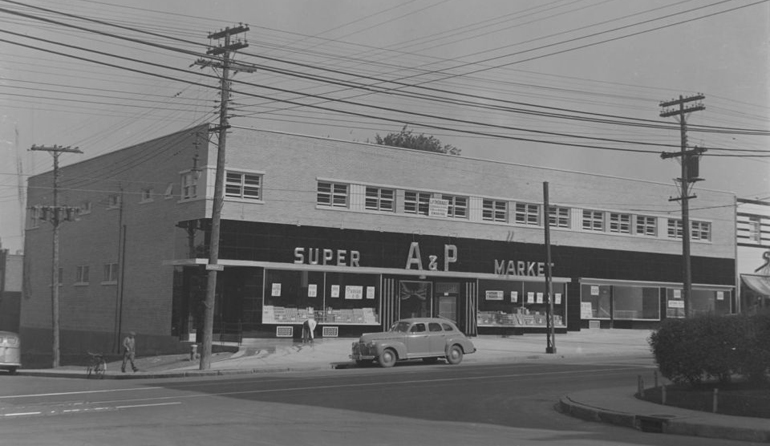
column 424, row 222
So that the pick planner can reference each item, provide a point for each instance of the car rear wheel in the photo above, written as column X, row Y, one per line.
column 387, row 358
column 455, row 355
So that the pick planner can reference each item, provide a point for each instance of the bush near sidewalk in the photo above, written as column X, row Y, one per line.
column 713, row 348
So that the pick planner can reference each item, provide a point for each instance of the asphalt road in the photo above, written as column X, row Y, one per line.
column 410, row 404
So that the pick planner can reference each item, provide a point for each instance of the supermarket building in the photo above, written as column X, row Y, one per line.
column 360, row 235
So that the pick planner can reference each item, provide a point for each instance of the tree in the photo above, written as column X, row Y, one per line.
column 405, row 138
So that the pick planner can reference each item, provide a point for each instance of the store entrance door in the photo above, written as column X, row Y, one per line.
column 446, row 300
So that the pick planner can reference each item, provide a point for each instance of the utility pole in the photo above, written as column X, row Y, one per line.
column 225, row 64
column 689, row 161
column 550, row 338
column 54, row 214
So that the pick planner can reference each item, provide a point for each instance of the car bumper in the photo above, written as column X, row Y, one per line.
column 360, row 357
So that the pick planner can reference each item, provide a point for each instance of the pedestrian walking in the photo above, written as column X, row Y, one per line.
column 308, row 328
column 129, row 352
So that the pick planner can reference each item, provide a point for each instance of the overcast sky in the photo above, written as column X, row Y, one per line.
column 524, row 81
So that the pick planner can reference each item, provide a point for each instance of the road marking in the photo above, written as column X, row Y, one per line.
column 83, row 392
column 148, row 405
column 18, row 414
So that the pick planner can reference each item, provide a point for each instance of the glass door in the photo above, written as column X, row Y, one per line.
column 446, row 300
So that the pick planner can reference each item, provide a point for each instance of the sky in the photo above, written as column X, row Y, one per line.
column 565, row 84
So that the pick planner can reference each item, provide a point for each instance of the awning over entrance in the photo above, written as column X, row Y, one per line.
column 760, row 284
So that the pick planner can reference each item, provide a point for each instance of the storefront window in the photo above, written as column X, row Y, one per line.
column 291, row 296
column 518, row 304
column 635, row 303
column 595, row 302
column 351, row 299
column 702, row 301
column 674, row 303
column 620, row 302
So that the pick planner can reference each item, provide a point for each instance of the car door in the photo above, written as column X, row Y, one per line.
column 437, row 337
column 417, row 340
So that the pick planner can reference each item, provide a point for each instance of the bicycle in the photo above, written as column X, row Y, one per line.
column 97, row 365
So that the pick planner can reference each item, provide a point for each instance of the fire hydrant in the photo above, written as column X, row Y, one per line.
column 193, row 352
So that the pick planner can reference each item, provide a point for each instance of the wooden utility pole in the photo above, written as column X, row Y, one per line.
column 54, row 214
column 550, row 338
column 689, row 160
column 213, row 267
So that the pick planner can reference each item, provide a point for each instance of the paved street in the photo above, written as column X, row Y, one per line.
column 489, row 404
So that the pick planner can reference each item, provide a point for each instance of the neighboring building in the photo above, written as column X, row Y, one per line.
column 11, row 276
column 753, row 233
column 360, row 235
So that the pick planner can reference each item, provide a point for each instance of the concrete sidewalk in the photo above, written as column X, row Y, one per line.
column 614, row 405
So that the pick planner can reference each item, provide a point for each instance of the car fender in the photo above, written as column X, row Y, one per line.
column 399, row 347
column 464, row 343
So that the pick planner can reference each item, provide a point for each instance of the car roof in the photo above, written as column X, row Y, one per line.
column 425, row 319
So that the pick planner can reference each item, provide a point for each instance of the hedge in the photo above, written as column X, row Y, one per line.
column 690, row 351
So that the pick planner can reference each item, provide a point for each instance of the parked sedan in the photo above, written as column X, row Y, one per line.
column 419, row 338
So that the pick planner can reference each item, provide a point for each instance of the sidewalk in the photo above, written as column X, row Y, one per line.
column 613, row 405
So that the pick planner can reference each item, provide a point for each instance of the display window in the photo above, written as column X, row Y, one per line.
column 351, row 299
column 631, row 302
column 702, row 301
column 635, row 303
column 510, row 303
column 674, row 303
column 291, row 297
column 595, row 301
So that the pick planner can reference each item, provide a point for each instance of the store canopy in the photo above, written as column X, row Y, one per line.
column 760, row 284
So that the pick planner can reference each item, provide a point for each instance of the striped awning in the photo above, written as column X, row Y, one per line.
column 759, row 283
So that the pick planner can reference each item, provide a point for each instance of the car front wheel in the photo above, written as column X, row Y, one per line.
column 454, row 355
column 387, row 358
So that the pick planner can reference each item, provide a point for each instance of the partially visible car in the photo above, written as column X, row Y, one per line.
column 428, row 339
column 10, row 351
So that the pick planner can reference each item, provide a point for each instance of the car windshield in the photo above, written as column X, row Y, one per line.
column 400, row 327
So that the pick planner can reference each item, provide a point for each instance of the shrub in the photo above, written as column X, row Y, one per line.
column 688, row 351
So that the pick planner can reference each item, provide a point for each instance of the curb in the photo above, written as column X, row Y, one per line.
column 179, row 373
column 665, row 424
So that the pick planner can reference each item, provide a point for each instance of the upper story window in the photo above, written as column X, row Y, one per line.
column 110, row 273
column 458, row 206
column 755, row 229
column 81, row 274
column 243, row 185
column 85, row 207
column 593, row 220
column 701, row 230
column 113, row 201
column 379, row 199
column 146, row 195
column 169, row 191
column 558, row 217
column 646, row 225
column 620, row 223
column 527, row 214
column 189, row 185
column 416, row 202
column 494, row 210
column 332, row 194
column 674, row 228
